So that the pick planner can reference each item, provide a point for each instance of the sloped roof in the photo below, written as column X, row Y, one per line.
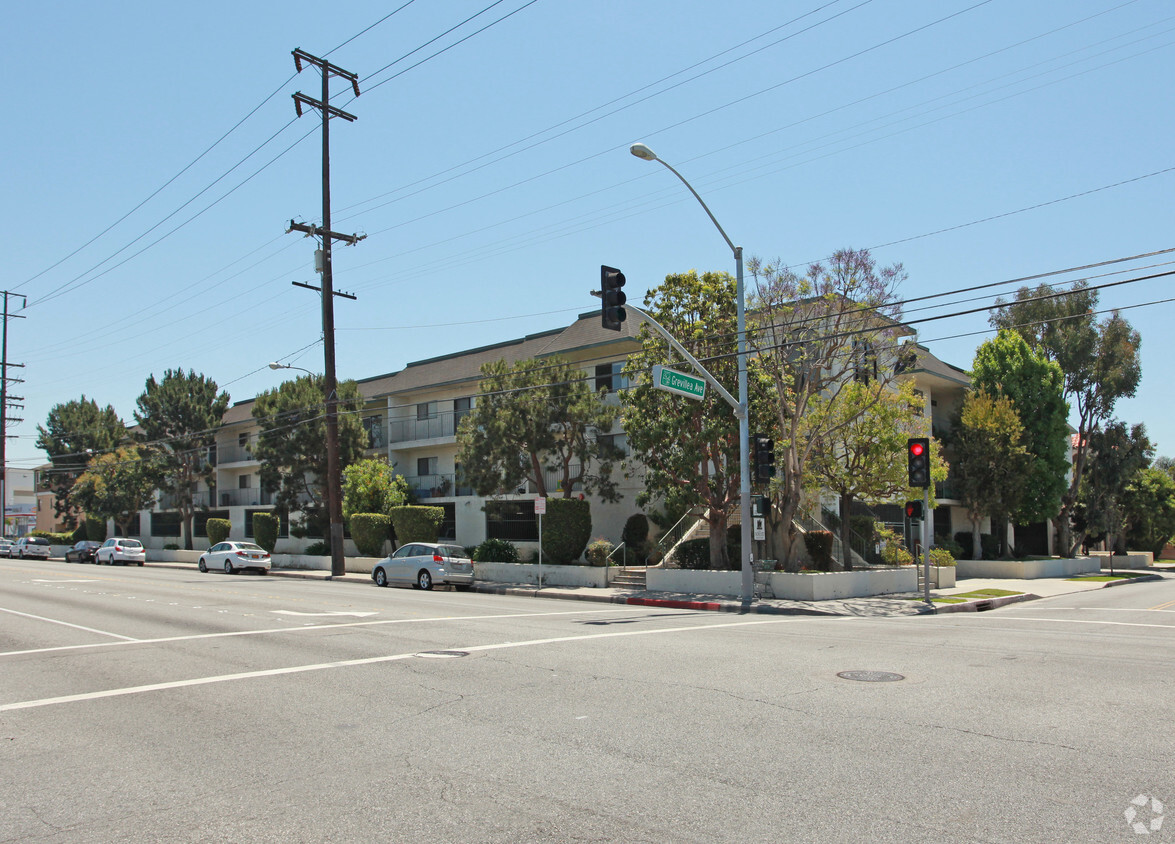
column 928, row 363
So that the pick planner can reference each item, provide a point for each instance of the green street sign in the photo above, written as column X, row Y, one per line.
column 672, row 381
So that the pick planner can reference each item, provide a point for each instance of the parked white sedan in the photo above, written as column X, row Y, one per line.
column 119, row 550
column 423, row 564
column 234, row 556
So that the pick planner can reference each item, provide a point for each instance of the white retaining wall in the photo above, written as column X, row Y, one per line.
column 858, row 583
column 529, row 573
column 1132, row 559
column 1028, row 569
column 701, row 582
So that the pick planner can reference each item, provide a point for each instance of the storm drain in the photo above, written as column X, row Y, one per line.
column 442, row 654
column 871, row 676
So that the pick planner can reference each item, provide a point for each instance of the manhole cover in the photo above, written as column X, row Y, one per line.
column 442, row 654
column 870, row 676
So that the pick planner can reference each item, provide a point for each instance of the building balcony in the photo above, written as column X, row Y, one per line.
column 432, row 428
column 248, row 497
column 167, row 501
column 437, row 486
column 234, row 454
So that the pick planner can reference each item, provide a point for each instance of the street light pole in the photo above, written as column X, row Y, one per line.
column 744, row 425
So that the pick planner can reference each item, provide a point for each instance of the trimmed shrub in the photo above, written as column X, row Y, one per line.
column 265, row 530
column 495, row 551
column 417, row 524
column 949, row 544
column 941, row 557
column 219, row 529
column 597, row 552
column 95, row 530
column 370, row 532
column 54, row 538
column 819, row 545
column 695, row 554
column 317, row 549
column 79, row 533
column 635, row 537
column 567, row 527
column 171, row 546
column 893, row 550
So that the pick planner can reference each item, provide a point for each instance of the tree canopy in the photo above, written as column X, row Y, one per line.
column 116, row 485
column 372, row 486
column 73, row 433
column 291, row 444
column 531, row 418
column 1007, row 365
column 178, row 417
column 1117, row 454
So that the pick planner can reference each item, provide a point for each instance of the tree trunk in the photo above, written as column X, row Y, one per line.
column 846, row 533
column 187, row 519
column 718, row 527
column 976, row 545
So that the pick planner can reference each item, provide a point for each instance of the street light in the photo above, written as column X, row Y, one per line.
column 276, row 365
column 744, row 428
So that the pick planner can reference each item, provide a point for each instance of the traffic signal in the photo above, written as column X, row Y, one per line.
column 918, row 462
column 914, row 511
column 763, row 457
column 612, row 314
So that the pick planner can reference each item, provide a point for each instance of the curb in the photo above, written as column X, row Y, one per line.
column 1146, row 578
column 985, row 604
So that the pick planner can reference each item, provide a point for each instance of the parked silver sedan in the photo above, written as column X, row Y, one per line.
column 424, row 564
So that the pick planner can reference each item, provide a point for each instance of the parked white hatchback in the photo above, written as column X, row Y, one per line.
column 423, row 564
column 119, row 550
column 234, row 556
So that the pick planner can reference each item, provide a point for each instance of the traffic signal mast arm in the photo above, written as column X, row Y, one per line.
column 739, row 410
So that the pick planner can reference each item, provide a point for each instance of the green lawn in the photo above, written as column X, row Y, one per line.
column 1122, row 575
column 986, row 593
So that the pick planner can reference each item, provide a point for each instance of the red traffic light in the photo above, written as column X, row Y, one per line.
column 917, row 449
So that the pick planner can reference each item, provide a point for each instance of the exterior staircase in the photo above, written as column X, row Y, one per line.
column 630, row 577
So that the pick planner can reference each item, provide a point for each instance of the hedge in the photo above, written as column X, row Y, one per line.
column 567, row 527
column 54, row 538
column 416, row 524
column 819, row 545
column 635, row 537
column 265, row 529
column 95, row 529
column 695, row 553
column 370, row 532
column 219, row 529
column 495, row 551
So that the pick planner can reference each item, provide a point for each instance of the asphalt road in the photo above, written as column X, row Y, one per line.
column 150, row 704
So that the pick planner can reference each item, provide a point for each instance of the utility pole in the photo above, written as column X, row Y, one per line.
column 334, row 482
column 4, row 400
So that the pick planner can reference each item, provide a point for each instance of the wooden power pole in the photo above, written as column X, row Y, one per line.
column 5, row 400
column 334, row 482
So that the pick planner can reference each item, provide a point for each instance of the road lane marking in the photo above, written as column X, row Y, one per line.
column 65, row 581
column 67, row 624
column 265, row 631
column 295, row 612
column 1163, row 606
column 373, row 660
column 1073, row 621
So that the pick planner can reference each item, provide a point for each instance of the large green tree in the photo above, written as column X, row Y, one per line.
column 815, row 333
column 178, row 416
column 292, row 442
column 116, row 485
column 531, row 418
column 1117, row 454
column 1007, row 365
column 990, row 461
column 73, row 433
column 372, row 486
column 1100, row 361
column 1148, row 503
column 688, row 449
column 864, row 457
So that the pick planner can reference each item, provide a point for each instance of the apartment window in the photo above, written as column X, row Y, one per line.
column 200, row 520
column 426, row 410
column 242, row 440
column 511, row 520
column 165, row 524
column 243, row 481
column 448, row 529
column 610, row 377
column 613, row 446
column 374, row 426
column 461, row 407
column 426, row 466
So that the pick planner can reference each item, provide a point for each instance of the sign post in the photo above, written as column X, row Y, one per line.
column 540, row 507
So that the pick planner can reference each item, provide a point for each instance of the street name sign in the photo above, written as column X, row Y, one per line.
column 672, row 381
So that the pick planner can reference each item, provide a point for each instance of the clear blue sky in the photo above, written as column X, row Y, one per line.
column 493, row 179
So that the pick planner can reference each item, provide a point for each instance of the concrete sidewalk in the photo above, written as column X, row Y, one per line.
column 878, row 606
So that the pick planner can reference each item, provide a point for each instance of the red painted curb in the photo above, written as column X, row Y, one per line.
column 675, row 605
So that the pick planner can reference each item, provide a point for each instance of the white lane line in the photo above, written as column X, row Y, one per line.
column 374, row 660
column 295, row 612
column 1069, row 621
column 65, row 581
column 267, row 631
column 67, row 624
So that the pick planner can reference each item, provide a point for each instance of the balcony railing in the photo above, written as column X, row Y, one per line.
column 437, row 486
column 234, row 453
column 435, row 427
column 251, row 496
column 168, row 501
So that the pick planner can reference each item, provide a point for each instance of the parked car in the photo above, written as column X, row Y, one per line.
column 82, row 552
column 119, row 550
column 235, row 556
column 30, row 546
column 6, row 546
column 423, row 564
